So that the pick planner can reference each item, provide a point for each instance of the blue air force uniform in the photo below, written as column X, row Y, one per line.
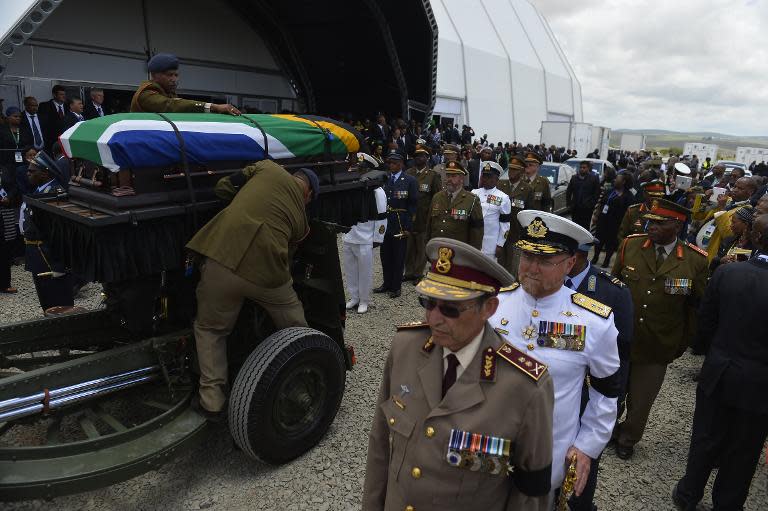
column 402, row 196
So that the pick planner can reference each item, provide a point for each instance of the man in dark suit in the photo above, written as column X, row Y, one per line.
column 402, row 198
column 380, row 130
column 730, row 423
column 475, row 168
column 52, row 113
column 605, row 288
column 75, row 113
column 32, row 128
column 582, row 194
column 95, row 107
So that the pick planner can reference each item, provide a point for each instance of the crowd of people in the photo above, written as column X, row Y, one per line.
column 508, row 393
column 649, row 301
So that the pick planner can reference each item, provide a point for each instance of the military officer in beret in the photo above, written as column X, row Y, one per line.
column 158, row 94
column 572, row 334
column 521, row 197
column 463, row 420
column 632, row 223
column 402, row 198
column 496, row 210
column 605, row 288
column 429, row 183
column 246, row 255
column 542, row 196
column 667, row 277
column 456, row 213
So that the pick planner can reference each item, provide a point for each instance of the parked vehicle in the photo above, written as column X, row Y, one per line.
column 558, row 175
column 598, row 166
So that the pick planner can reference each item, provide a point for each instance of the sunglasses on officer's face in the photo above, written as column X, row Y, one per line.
column 449, row 311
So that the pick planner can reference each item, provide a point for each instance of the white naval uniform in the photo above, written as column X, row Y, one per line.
column 357, row 251
column 495, row 203
column 600, row 358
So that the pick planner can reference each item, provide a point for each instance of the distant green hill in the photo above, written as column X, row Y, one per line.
column 665, row 139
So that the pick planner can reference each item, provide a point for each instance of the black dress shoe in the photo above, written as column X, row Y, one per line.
column 380, row 289
column 624, row 451
column 215, row 417
column 394, row 294
column 679, row 502
column 408, row 278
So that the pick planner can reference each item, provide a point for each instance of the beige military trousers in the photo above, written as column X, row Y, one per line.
column 220, row 296
column 645, row 381
column 416, row 254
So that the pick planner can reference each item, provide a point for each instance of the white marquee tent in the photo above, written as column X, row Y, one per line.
column 501, row 70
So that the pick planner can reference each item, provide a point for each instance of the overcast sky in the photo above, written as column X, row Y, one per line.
column 688, row 65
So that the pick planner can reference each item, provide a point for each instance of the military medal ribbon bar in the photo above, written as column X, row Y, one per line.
column 562, row 336
column 477, row 452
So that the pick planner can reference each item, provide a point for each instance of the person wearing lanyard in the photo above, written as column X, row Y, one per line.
column 11, row 146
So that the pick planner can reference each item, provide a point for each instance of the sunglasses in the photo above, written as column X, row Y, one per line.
column 449, row 311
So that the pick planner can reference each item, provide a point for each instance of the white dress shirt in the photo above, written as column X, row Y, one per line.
column 465, row 355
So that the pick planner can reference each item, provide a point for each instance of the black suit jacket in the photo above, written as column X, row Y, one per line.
column 607, row 289
column 26, row 138
column 378, row 133
column 69, row 120
column 583, row 193
column 53, row 124
column 732, row 324
column 89, row 111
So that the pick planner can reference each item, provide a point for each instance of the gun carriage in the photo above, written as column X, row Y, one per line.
column 89, row 398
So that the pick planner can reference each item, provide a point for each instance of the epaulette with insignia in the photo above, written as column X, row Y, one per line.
column 413, row 324
column 522, row 361
column 612, row 279
column 697, row 249
column 591, row 305
column 509, row 288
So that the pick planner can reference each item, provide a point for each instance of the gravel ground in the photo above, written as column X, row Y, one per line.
column 217, row 477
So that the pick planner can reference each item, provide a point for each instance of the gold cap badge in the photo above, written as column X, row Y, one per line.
column 443, row 264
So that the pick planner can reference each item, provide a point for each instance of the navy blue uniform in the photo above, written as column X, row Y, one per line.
column 53, row 282
column 402, row 196
column 607, row 289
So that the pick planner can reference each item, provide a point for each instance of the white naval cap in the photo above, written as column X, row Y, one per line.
column 546, row 233
column 492, row 166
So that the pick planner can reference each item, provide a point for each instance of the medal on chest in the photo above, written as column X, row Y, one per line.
column 492, row 199
column 458, row 214
column 478, row 453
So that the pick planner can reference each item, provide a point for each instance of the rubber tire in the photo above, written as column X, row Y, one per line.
column 253, row 393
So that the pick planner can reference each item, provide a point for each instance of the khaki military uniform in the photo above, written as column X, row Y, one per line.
column 409, row 465
column 460, row 219
column 151, row 97
column 542, row 196
column 429, row 184
column 522, row 198
column 665, row 301
column 632, row 223
column 247, row 249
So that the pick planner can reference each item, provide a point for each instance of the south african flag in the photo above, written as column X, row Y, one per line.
column 132, row 141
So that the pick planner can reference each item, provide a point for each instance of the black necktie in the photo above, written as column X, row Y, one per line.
column 449, row 378
column 660, row 257
column 569, row 283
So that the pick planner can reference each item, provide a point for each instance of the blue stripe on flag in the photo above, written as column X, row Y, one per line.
column 149, row 148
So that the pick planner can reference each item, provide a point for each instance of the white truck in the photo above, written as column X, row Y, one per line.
column 632, row 142
column 701, row 150
column 601, row 137
column 571, row 135
column 747, row 155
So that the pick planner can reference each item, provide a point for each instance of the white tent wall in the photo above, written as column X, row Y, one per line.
column 502, row 61
column 77, row 44
column 528, row 87
column 486, row 68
